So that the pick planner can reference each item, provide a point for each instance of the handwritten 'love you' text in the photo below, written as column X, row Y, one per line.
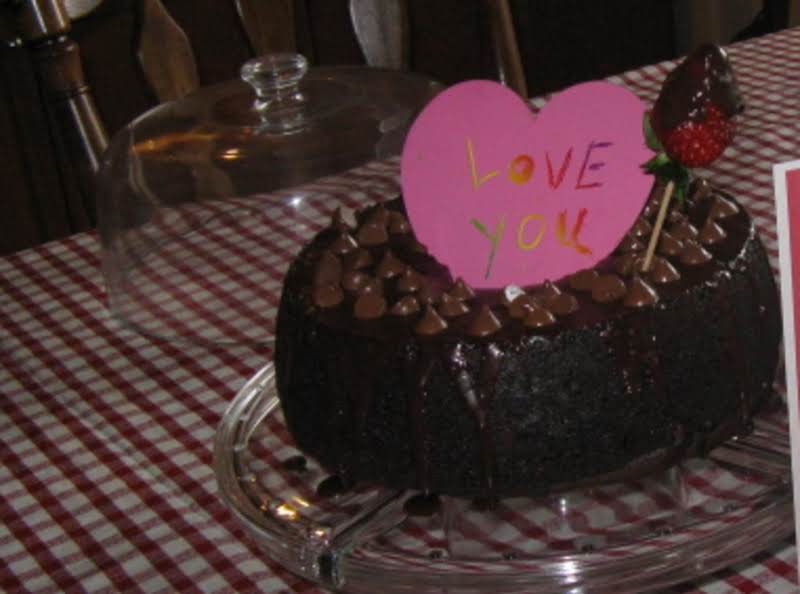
column 532, row 227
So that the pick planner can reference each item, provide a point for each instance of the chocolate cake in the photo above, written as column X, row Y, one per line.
column 390, row 371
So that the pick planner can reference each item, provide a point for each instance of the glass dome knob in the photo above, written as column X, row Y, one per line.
column 276, row 81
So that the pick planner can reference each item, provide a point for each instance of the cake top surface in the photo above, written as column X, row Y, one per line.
column 370, row 274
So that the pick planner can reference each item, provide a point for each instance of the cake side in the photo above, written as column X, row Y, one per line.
column 583, row 382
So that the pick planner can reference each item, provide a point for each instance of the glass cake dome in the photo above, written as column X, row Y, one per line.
column 203, row 201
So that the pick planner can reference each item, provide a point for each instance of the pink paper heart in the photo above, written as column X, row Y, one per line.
column 503, row 197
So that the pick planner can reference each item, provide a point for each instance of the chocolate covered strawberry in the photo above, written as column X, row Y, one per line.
column 692, row 121
column 693, row 115
column 690, row 125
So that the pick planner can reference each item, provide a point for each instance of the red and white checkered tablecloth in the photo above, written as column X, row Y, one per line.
column 106, row 436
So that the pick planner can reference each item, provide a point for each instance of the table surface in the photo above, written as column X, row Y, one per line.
column 106, row 436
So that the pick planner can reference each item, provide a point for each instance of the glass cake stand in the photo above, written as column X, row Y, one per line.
column 693, row 519
column 205, row 200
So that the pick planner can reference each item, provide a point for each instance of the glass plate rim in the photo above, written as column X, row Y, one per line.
column 772, row 522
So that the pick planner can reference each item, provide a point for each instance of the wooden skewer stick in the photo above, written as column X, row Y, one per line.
column 662, row 214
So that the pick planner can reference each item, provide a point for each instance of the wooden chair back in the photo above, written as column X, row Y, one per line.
column 382, row 30
column 79, row 135
column 167, row 64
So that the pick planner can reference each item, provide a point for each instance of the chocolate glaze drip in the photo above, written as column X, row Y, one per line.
column 343, row 399
column 490, row 370
column 638, row 353
column 734, row 346
column 653, row 361
column 479, row 398
column 417, row 393
column 626, row 349
column 364, row 391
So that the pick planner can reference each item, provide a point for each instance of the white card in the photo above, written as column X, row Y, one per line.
column 787, row 202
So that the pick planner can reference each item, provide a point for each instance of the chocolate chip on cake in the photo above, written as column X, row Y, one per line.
column 461, row 290
column 431, row 323
column 398, row 224
column 343, row 244
column 694, row 254
column 390, row 266
column 407, row 306
column 711, row 233
column 485, row 323
column 662, row 271
column 539, row 317
column 640, row 294
column 372, row 234
column 450, row 307
column 329, row 295
column 607, row 288
column 357, row 259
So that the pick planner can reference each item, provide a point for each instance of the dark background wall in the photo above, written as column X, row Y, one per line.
column 561, row 41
